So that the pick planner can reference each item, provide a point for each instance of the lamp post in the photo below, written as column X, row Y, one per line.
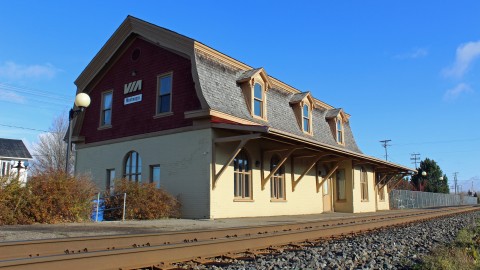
column 82, row 101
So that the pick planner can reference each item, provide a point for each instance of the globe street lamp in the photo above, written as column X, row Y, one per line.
column 82, row 101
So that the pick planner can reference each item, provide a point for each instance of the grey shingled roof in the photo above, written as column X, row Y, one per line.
column 14, row 149
column 298, row 97
column 332, row 113
column 248, row 74
column 222, row 93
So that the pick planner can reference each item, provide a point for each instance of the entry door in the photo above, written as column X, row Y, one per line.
column 327, row 195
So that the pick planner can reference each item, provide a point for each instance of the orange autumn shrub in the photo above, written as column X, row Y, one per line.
column 144, row 201
column 57, row 197
column 14, row 207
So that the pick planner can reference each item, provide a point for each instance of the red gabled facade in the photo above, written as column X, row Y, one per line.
column 138, row 118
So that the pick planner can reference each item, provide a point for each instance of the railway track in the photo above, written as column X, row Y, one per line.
column 159, row 251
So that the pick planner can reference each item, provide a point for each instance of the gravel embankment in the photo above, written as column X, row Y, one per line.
column 396, row 248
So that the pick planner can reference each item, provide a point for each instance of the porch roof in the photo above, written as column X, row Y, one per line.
column 266, row 132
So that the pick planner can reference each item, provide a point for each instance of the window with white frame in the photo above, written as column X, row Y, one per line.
column 6, row 168
column 164, row 93
column 106, row 113
column 364, row 184
column 133, row 167
column 242, row 176
column 277, row 182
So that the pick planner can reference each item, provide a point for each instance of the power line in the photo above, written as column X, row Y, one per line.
column 385, row 145
column 434, row 142
column 34, row 129
column 35, row 92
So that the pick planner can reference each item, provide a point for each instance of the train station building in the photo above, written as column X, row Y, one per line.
column 224, row 137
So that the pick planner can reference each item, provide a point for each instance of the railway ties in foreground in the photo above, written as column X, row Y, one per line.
column 162, row 250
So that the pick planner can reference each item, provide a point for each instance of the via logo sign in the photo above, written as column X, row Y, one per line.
column 132, row 87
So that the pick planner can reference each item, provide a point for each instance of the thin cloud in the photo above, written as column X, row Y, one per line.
column 454, row 93
column 465, row 56
column 13, row 71
column 10, row 96
column 414, row 54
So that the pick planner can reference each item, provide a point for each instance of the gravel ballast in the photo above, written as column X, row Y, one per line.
column 394, row 248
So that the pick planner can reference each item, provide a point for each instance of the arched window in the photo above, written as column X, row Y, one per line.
column 339, row 131
column 277, row 182
column 306, row 118
column 364, row 183
column 242, row 176
column 258, row 100
column 133, row 167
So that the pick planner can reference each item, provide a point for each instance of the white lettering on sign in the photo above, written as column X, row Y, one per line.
column 132, row 87
column 132, row 99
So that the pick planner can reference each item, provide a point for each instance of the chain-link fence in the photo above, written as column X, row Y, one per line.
column 400, row 199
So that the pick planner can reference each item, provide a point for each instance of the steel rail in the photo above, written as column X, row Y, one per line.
column 154, row 255
column 59, row 246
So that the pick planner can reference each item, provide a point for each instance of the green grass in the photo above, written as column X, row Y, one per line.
column 462, row 254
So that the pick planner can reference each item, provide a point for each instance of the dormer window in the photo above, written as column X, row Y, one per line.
column 303, row 105
column 258, row 100
column 255, row 84
column 336, row 118
column 306, row 118
column 339, row 131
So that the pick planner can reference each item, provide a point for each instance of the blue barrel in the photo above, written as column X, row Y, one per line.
column 101, row 207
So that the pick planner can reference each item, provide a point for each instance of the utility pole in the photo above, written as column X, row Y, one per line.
column 385, row 145
column 415, row 157
column 455, row 180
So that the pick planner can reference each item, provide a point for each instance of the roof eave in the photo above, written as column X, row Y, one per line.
column 340, row 150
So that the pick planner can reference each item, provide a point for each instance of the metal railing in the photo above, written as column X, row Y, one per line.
column 400, row 199
column 100, row 209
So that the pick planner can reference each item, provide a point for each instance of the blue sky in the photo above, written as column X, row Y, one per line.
column 407, row 71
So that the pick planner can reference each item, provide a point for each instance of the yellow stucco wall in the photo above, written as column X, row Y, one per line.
column 186, row 172
column 184, row 160
column 369, row 205
column 347, row 204
column 383, row 205
column 304, row 200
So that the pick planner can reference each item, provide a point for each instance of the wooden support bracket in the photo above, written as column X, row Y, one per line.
column 243, row 140
column 398, row 181
column 309, row 167
column 397, row 177
column 329, row 174
column 381, row 179
column 282, row 161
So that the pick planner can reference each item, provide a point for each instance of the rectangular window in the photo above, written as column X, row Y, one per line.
column 110, row 179
column 341, row 187
column 242, row 177
column 106, row 118
column 277, row 187
column 6, row 168
column 258, row 100
column 325, row 187
column 381, row 194
column 339, row 132
column 155, row 175
column 164, row 94
column 306, row 118
column 364, row 184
